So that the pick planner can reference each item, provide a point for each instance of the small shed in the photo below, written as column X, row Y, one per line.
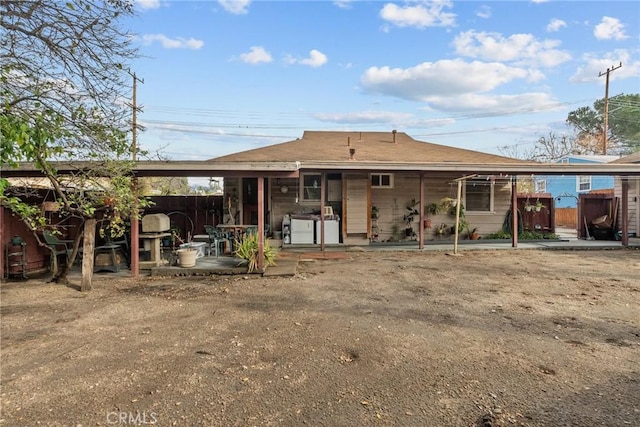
column 538, row 212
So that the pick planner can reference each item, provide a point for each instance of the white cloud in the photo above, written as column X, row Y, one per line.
column 429, row 13
column 343, row 4
column 456, row 85
column 148, row 4
column 555, row 25
column 176, row 43
column 236, row 7
column 594, row 65
column 316, row 59
column 364, row 117
column 446, row 78
column 399, row 119
column 609, row 28
column 518, row 48
column 539, row 1
column 481, row 102
column 484, row 12
column 256, row 55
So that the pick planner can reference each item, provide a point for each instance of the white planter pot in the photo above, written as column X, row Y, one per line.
column 187, row 257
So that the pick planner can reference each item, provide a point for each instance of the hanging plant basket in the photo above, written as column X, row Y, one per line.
column 50, row 206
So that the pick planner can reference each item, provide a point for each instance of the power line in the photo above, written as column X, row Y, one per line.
column 606, row 106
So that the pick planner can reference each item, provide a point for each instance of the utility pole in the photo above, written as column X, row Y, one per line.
column 135, row 240
column 606, row 106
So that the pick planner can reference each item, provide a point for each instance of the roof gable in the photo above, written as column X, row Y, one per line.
column 333, row 146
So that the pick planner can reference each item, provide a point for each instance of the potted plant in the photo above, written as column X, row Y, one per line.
column 441, row 230
column 187, row 255
column 429, row 210
column 473, row 233
column 538, row 206
column 528, row 207
column 408, row 218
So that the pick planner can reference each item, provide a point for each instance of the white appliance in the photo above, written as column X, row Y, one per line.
column 302, row 231
column 331, row 231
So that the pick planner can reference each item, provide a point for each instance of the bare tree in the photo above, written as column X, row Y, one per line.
column 553, row 147
column 64, row 85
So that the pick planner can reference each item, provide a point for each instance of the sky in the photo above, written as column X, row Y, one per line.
column 225, row 76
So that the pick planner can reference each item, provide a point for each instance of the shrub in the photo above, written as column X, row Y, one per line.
column 247, row 249
column 499, row 235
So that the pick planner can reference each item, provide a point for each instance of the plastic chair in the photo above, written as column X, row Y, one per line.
column 59, row 246
column 251, row 230
column 216, row 237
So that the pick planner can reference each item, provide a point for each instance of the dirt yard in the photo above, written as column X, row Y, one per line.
column 523, row 338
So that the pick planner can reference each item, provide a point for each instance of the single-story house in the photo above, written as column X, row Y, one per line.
column 351, row 173
column 372, row 183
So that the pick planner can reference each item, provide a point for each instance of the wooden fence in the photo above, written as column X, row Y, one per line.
column 566, row 217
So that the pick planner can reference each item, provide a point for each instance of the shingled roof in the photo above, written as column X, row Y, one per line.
column 332, row 146
column 632, row 158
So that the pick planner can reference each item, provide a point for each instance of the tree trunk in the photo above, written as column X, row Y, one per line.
column 87, row 258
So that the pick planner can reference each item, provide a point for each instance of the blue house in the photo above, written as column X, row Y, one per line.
column 565, row 189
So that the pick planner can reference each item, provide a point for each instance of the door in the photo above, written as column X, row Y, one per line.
column 250, row 201
column 357, row 203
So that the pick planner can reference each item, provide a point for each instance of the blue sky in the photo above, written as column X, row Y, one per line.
column 227, row 76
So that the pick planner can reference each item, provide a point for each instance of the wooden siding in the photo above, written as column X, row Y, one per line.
column 633, row 204
column 392, row 205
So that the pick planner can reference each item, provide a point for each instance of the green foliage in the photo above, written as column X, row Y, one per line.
column 623, row 124
column 247, row 249
column 524, row 235
column 31, row 215
column 432, row 209
column 501, row 234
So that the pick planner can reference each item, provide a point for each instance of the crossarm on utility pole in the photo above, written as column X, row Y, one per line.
column 606, row 106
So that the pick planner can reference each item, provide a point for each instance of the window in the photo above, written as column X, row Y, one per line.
column 310, row 187
column 479, row 195
column 584, row 183
column 382, row 180
column 541, row 186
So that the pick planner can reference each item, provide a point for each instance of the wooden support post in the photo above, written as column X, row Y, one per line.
column 458, row 203
column 421, row 226
column 87, row 254
column 322, row 202
column 514, row 212
column 135, row 246
column 624, row 212
column 261, row 266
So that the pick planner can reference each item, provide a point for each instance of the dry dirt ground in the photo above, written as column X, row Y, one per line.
column 489, row 338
